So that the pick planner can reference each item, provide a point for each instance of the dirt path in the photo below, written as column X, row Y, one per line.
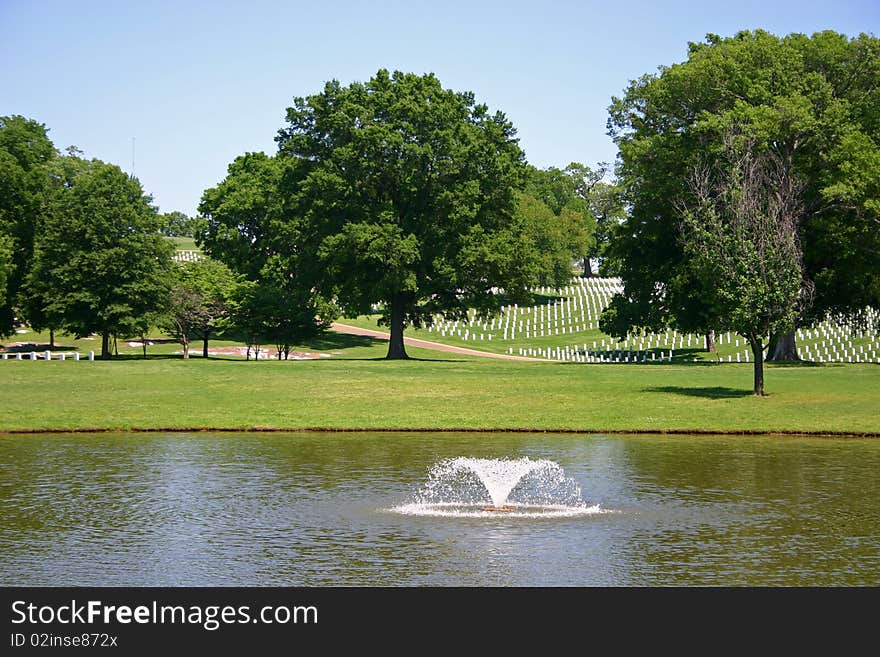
column 425, row 344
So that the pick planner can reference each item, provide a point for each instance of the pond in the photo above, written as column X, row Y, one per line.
column 294, row 509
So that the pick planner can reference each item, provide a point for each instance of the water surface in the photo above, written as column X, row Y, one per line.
column 317, row 510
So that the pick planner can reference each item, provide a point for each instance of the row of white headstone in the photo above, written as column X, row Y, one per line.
column 832, row 342
column 576, row 355
column 45, row 355
column 577, row 307
column 187, row 256
column 576, row 311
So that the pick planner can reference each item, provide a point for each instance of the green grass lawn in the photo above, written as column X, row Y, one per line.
column 184, row 243
column 355, row 389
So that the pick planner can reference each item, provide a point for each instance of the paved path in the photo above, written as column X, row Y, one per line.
column 425, row 344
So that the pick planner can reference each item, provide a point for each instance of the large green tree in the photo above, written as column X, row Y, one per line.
column 813, row 102
column 408, row 191
column 561, row 193
column 100, row 264
column 25, row 153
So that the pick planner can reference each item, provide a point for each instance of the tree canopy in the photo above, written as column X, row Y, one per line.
column 813, row 102
column 244, row 224
column 6, row 245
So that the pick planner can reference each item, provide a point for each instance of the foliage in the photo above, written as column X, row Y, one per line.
column 178, row 224
column 184, row 313
column 243, row 222
column 557, row 239
column 99, row 264
column 5, row 263
column 269, row 311
column 25, row 151
column 812, row 102
column 248, row 228
column 198, row 301
column 406, row 190
column 591, row 201
column 743, row 235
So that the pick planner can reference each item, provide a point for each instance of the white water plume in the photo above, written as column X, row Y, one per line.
column 477, row 487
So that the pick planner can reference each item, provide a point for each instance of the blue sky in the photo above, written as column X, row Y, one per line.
column 199, row 83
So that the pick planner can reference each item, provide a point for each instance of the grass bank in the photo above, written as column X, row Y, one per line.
column 436, row 393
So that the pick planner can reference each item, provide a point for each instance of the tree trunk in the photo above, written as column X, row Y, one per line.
column 710, row 342
column 51, row 338
column 396, row 348
column 205, row 345
column 758, row 353
column 783, row 347
column 185, row 343
column 588, row 268
column 144, row 345
column 105, row 346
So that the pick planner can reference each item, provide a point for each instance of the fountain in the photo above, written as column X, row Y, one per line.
column 471, row 487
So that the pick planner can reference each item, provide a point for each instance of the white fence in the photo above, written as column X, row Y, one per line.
column 47, row 355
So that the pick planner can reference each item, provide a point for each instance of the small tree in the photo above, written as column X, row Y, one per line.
column 277, row 311
column 198, row 301
column 186, row 311
column 742, row 231
column 245, row 317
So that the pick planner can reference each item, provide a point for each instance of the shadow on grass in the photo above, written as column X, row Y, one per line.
column 410, row 359
column 127, row 357
column 715, row 392
column 793, row 363
column 332, row 340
